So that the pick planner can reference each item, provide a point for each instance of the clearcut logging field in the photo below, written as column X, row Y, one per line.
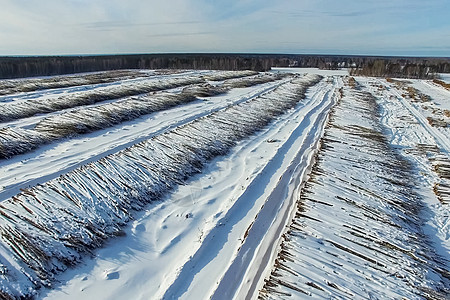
column 158, row 184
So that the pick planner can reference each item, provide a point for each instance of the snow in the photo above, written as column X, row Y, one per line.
column 445, row 77
column 438, row 93
column 58, row 158
column 322, row 72
column 246, row 274
column 99, row 196
column 357, row 230
column 410, row 131
column 148, row 76
column 202, row 196
column 219, row 200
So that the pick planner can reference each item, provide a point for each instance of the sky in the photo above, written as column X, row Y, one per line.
column 363, row 27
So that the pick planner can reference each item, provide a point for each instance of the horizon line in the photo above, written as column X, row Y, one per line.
column 218, row 53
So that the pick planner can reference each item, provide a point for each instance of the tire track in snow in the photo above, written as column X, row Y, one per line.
column 418, row 146
column 304, row 137
column 250, row 270
column 441, row 140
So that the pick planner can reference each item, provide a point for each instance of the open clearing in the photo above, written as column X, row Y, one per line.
column 224, row 185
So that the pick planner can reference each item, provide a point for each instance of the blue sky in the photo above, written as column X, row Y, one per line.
column 366, row 27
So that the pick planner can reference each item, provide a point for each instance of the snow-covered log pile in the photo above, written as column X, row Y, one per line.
column 358, row 228
column 219, row 76
column 11, row 86
column 15, row 141
column 49, row 227
column 252, row 80
column 207, row 90
column 22, row 109
column 204, row 90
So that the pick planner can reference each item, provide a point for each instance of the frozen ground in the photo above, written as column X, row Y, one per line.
column 203, row 196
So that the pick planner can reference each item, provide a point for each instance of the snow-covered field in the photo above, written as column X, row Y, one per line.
column 222, row 185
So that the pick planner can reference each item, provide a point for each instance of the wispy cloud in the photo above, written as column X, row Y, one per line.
column 322, row 13
column 132, row 26
column 170, row 35
column 123, row 24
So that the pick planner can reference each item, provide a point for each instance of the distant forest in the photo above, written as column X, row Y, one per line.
column 411, row 67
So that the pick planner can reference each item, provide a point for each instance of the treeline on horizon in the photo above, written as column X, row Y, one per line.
column 411, row 67
column 422, row 69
